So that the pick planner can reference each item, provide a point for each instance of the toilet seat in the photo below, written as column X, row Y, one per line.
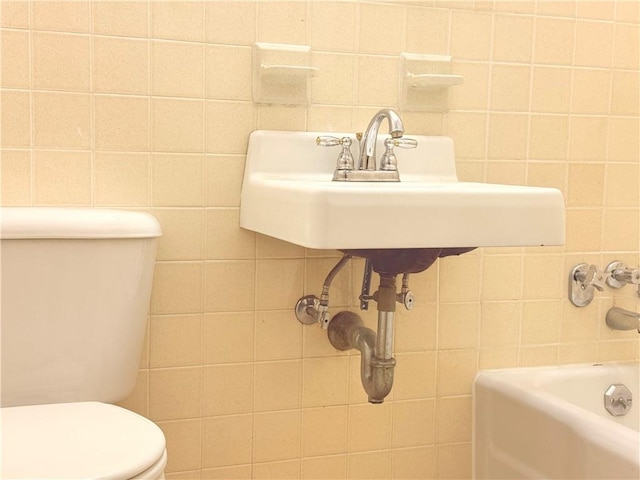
column 80, row 440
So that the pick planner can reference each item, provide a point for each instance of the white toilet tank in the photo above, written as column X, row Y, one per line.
column 75, row 287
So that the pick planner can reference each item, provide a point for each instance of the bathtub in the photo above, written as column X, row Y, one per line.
column 550, row 422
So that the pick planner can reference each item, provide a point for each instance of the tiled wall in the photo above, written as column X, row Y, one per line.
column 147, row 105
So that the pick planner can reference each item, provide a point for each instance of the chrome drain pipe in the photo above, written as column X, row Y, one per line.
column 347, row 331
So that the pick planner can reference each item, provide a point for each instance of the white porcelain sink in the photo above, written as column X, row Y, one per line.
column 288, row 193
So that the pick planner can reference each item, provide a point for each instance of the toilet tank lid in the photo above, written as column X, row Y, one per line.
column 63, row 222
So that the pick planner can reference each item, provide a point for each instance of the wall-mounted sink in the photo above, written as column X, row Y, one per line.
column 288, row 193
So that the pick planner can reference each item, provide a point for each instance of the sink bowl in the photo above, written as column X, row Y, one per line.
column 288, row 193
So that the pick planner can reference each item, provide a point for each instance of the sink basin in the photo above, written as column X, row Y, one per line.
column 288, row 193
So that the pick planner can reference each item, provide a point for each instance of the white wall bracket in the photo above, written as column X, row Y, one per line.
column 425, row 82
column 281, row 74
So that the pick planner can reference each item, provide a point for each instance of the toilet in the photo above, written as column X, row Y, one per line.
column 75, row 288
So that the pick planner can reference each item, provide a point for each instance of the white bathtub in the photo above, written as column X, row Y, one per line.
column 551, row 423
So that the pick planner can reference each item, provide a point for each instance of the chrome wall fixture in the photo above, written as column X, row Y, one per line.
column 585, row 279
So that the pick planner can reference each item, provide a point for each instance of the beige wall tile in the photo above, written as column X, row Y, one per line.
column 455, row 372
column 473, row 93
column 413, row 423
column 61, row 120
column 414, row 376
column 427, row 30
column 324, row 431
column 584, row 230
column 177, row 180
column 228, row 72
column 182, row 231
column 227, row 126
column 416, row 330
column 369, row 465
column 229, row 286
column 586, row 185
column 626, row 96
column 500, row 323
column 325, row 381
column 458, row 325
column 227, row 389
column 184, row 442
column 121, row 179
column 327, row 34
column 381, row 88
column 538, row 356
column 230, row 22
column 621, row 227
column 453, row 461
column 175, row 393
column 177, row 288
column 335, row 80
column 594, row 43
column 121, row 123
column 120, row 65
column 60, row 61
column 551, row 90
column 14, row 14
column 540, row 323
column 282, row 22
column 178, row 21
column 62, row 178
column 507, row 136
column 510, row 88
column 227, row 338
column 554, row 40
column 628, row 12
column 587, row 138
column 324, row 468
column 512, row 41
column 278, row 336
column 626, row 46
column 16, row 119
column 276, row 436
column 596, row 10
column 369, row 427
column 223, row 180
column 470, row 35
column 177, row 69
column 224, row 237
column 278, row 283
column 232, row 448
column 277, row 386
column 283, row 470
column 61, row 16
column 15, row 177
column 14, row 46
column 495, row 269
column 620, row 130
column 124, row 18
column 622, row 185
column 590, row 91
column 177, row 125
column 237, row 472
column 416, row 463
column 174, row 340
column 374, row 18
column 548, row 138
column 453, row 419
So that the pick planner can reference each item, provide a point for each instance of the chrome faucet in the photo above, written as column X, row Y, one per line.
column 368, row 143
column 367, row 170
column 621, row 319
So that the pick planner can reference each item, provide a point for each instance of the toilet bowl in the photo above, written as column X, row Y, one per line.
column 75, row 287
column 79, row 441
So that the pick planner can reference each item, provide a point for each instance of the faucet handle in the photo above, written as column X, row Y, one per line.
column 403, row 142
column 345, row 159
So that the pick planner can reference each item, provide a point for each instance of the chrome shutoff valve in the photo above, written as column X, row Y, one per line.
column 345, row 162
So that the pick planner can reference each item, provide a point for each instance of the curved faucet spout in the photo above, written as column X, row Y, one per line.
column 368, row 148
column 621, row 319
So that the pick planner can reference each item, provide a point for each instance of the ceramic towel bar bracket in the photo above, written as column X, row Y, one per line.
column 585, row 279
